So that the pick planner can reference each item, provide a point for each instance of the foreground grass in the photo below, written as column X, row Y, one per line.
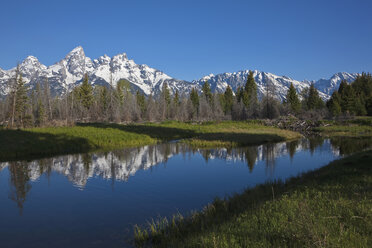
column 329, row 207
column 40, row 142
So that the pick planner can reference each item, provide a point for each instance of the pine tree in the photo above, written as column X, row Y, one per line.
column 140, row 98
column 194, row 97
column 207, row 92
column 48, row 97
column 333, row 104
column 40, row 118
column 293, row 100
column 122, row 90
column 86, row 93
column 13, row 96
column 314, row 101
column 21, row 100
column 348, row 98
column 103, row 98
column 166, row 94
column 359, row 107
column 176, row 99
column 239, row 94
column 250, row 91
column 228, row 100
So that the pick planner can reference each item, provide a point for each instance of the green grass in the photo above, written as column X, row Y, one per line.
column 41, row 142
column 357, row 127
column 231, row 134
column 329, row 207
column 351, row 130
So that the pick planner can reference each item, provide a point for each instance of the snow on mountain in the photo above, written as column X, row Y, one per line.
column 64, row 75
column 67, row 73
column 328, row 86
column 281, row 84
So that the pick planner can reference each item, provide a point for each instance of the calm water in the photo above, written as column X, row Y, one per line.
column 93, row 200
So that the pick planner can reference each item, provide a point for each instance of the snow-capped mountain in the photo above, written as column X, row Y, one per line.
column 328, row 86
column 281, row 84
column 64, row 75
column 67, row 73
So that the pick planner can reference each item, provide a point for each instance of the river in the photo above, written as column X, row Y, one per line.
column 94, row 199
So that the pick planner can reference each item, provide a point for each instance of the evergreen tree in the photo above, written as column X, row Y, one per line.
column 47, row 99
column 40, row 118
column 239, row 94
column 228, row 100
column 250, row 91
column 293, row 100
column 13, row 97
column 207, row 92
column 122, row 91
column 21, row 100
column 86, row 93
column 348, row 98
column 166, row 94
column 194, row 97
column 360, row 108
column 176, row 99
column 140, row 98
column 314, row 101
column 363, row 91
column 103, row 98
column 333, row 104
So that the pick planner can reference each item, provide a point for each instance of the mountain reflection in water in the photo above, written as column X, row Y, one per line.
column 122, row 164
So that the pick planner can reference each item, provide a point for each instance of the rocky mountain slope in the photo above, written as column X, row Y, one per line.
column 64, row 75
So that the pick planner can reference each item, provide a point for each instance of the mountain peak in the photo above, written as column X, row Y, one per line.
column 31, row 64
column 105, row 70
column 77, row 49
column 31, row 58
column 121, row 56
column 77, row 52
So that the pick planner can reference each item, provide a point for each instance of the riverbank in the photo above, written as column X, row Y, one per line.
column 359, row 127
column 327, row 207
column 50, row 141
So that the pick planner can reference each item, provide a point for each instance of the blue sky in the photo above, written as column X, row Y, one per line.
column 190, row 39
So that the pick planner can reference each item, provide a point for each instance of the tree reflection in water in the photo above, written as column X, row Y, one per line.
column 19, row 183
column 121, row 164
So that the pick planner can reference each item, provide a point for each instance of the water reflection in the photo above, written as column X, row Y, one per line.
column 19, row 173
column 122, row 164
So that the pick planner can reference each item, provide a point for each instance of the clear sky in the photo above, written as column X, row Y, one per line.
column 189, row 39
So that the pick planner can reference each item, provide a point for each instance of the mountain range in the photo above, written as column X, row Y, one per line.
column 64, row 75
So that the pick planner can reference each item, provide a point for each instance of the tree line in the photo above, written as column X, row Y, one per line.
column 85, row 103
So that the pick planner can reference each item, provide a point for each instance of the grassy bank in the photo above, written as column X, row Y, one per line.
column 358, row 127
column 329, row 207
column 353, row 130
column 231, row 134
column 40, row 142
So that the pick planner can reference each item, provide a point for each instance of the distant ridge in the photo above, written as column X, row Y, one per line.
column 64, row 75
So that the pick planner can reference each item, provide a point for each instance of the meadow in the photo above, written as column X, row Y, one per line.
column 357, row 127
column 86, row 137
